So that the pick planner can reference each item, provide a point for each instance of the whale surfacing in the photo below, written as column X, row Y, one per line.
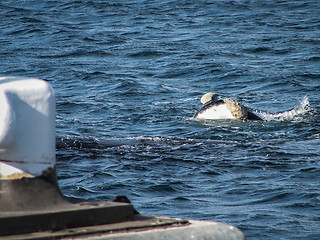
column 216, row 108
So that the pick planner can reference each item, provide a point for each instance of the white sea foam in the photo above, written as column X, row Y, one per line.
column 295, row 114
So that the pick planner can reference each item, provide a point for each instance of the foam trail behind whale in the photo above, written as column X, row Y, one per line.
column 295, row 114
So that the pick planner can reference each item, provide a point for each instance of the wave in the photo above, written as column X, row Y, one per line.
column 298, row 113
column 77, row 143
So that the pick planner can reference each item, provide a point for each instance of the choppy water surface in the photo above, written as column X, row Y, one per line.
column 128, row 78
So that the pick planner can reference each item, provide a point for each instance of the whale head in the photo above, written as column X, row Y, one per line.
column 214, row 107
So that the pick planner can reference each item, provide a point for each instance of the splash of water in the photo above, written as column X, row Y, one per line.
column 296, row 114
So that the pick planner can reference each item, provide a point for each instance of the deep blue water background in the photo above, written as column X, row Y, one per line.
column 128, row 77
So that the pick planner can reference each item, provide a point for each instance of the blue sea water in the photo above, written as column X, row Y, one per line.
column 128, row 77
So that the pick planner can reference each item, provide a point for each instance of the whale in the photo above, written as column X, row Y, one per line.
column 214, row 108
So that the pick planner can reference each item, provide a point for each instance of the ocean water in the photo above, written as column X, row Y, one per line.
column 128, row 77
